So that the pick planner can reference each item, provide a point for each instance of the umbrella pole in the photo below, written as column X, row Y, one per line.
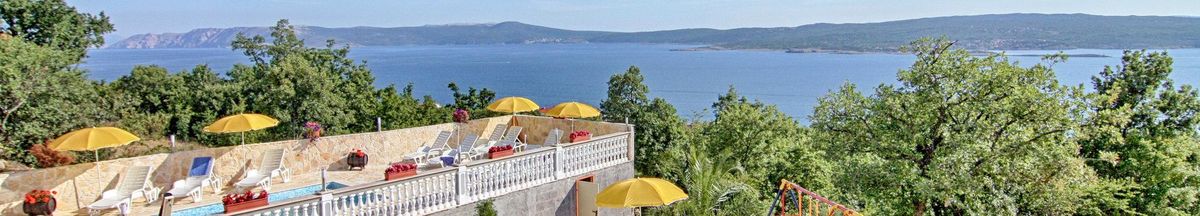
column 243, row 138
column 97, row 154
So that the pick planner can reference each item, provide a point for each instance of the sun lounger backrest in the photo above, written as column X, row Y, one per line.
column 467, row 143
column 513, row 132
column 498, row 132
column 272, row 160
column 553, row 137
column 135, row 178
column 201, row 166
column 443, row 139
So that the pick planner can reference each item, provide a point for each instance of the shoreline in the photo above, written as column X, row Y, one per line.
column 860, row 52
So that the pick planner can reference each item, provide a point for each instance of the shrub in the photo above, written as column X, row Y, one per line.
column 47, row 157
column 486, row 208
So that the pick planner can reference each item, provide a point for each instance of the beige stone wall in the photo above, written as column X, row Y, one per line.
column 537, row 127
column 80, row 184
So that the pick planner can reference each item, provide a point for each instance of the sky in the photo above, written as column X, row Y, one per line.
column 159, row 16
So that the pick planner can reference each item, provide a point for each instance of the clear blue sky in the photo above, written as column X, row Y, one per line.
column 157, row 16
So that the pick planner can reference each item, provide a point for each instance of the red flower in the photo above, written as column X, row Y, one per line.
column 35, row 196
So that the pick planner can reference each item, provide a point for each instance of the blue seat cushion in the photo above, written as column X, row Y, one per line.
column 200, row 166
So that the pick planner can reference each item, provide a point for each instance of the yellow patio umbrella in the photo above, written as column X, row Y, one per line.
column 92, row 139
column 640, row 192
column 241, row 123
column 573, row 110
column 513, row 105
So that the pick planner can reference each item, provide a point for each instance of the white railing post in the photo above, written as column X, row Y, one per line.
column 558, row 163
column 632, row 152
column 460, row 186
column 326, row 207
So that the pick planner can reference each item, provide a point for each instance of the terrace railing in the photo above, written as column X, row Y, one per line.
column 436, row 190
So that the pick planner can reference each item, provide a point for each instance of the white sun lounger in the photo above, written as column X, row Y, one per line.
column 270, row 166
column 440, row 144
column 199, row 176
column 460, row 153
column 134, row 183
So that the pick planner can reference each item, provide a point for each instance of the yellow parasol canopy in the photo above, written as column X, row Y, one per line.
column 92, row 139
column 640, row 192
column 241, row 123
column 573, row 110
column 513, row 105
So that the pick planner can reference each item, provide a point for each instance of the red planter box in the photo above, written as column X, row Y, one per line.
column 499, row 154
column 580, row 139
column 245, row 205
column 398, row 175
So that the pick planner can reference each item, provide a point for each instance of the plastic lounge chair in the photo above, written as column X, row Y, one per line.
column 511, row 138
column 467, row 149
column 463, row 148
column 424, row 152
column 134, row 183
column 199, row 176
column 497, row 133
column 270, row 166
column 553, row 137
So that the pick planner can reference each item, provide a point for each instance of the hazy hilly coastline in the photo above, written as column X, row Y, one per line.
column 979, row 32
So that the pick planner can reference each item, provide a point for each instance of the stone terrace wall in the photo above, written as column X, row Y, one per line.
column 81, row 184
column 537, row 127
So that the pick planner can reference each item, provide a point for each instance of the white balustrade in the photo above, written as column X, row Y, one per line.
column 595, row 154
column 436, row 190
column 491, row 178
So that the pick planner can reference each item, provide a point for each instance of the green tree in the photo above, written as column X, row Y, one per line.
column 714, row 185
column 958, row 135
column 1142, row 129
column 659, row 127
column 52, row 23
column 767, row 143
column 297, row 84
column 626, row 95
column 402, row 110
column 41, row 97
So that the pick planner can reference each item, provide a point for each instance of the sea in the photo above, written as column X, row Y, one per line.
column 691, row 80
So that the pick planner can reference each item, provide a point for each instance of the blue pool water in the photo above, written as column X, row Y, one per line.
column 218, row 208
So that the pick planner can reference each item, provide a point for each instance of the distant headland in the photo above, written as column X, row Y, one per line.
column 977, row 32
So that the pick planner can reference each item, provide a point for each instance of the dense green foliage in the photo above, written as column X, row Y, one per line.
column 981, row 32
column 486, row 208
column 54, row 24
column 958, row 135
column 44, row 97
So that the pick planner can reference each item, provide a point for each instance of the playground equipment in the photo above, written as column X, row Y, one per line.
column 791, row 197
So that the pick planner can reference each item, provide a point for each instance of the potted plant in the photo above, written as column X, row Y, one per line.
column 248, row 200
column 499, row 151
column 462, row 116
column 314, row 131
column 580, row 135
column 39, row 202
column 357, row 158
column 399, row 170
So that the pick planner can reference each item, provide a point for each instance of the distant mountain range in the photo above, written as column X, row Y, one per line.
column 979, row 32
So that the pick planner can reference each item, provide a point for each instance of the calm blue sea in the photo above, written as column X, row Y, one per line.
column 553, row 73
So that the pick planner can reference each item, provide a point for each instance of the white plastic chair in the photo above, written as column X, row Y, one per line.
column 135, row 183
column 199, row 176
column 425, row 151
column 270, row 166
column 464, row 148
column 511, row 138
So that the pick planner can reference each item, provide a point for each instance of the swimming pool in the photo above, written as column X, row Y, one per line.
column 218, row 208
